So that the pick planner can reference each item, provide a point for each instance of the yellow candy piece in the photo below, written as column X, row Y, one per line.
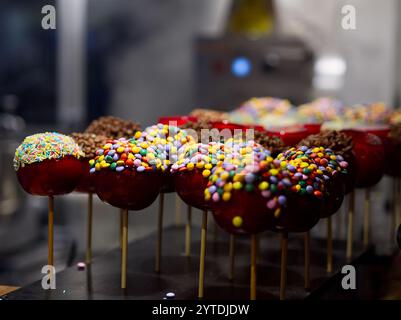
column 104, row 164
column 273, row 172
column 333, row 157
column 226, row 196
column 228, row 187
column 304, row 165
column 237, row 221
column 190, row 166
column 320, row 155
column 206, row 173
column 91, row 162
column 207, row 197
column 120, row 149
column 137, row 134
column 277, row 212
column 101, row 158
column 135, row 149
column 224, row 175
column 120, row 162
column 131, row 156
column 238, row 178
column 263, row 185
column 107, row 146
column 98, row 166
column 208, row 166
column 200, row 165
column 237, row 185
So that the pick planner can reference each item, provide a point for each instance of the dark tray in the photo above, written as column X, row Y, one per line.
column 179, row 274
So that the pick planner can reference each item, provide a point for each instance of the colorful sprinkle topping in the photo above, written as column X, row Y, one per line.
column 135, row 155
column 44, row 146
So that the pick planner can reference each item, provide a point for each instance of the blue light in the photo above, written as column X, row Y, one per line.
column 241, row 67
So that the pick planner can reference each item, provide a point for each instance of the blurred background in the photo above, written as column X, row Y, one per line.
column 141, row 59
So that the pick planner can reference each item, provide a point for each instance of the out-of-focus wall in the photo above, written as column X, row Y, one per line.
column 152, row 73
column 149, row 63
column 369, row 51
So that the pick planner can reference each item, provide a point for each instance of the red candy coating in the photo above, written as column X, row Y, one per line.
column 369, row 152
column 87, row 184
column 250, row 207
column 300, row 214
column 128, row 189
column 180, row 120
column 51, row 177
column 335, row 190
column 190, row 186
column 291, row 136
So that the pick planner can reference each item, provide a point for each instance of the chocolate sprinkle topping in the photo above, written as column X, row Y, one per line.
column 337, row 141
column 89, row 143
column 113, row 127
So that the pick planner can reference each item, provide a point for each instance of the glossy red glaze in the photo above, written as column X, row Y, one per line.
column 350, row 177
column 190, row 186
column 313, row 128
column 393, row 158
column 179, row 120
column 369, row 153
column 51, row 177
column 300, row 214
column 221, row 125
column 255, row 127
column 250, row 206
column 335, row 190
column 392, row 152
column 168, row 184
column 128, row 189
column 87, row 183
column 291, row 136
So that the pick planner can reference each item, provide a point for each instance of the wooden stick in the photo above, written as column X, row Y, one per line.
column 232, row 257
column 50, row 239
column 202, row 256
column 177, row 210
column 159, row 233
column 329, row 266
column 307, row 260
column 124, row 250
column 88, row 258
column 283, row 268
column 253, row 265
column 350, row 230
column 366, row 219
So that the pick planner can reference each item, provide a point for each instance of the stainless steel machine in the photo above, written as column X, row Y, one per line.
column 231, row 69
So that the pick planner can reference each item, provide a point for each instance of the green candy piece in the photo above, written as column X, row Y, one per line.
column 220, row 191
column 249, row 187
column 302, row 183
column 302, row 191
column 273, row 188
column 109, row 159
column 113, row 166
column 307, row 171
column 143, row 152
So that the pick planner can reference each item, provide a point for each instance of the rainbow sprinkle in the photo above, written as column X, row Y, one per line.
column 44, row 146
